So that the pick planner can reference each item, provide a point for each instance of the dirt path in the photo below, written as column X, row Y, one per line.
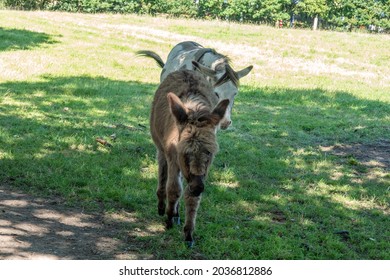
column 34, row 228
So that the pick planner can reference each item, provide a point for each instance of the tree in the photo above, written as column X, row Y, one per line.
column 257, row 11
column 313, row 9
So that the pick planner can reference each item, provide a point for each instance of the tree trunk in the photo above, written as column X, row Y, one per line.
column 315, row 22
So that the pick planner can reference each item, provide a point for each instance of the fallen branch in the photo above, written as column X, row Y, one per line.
column 103, row 142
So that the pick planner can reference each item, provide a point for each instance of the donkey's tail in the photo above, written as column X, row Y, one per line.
column 153, row 55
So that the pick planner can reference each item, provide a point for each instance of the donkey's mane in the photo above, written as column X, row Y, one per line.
column 201, row 118
column 230, row 74
column 225, row 58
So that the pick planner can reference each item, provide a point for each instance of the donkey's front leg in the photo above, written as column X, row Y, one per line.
column 192, row 204
column 174, row 190
column 162, row 182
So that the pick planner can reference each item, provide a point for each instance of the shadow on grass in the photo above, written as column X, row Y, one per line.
column 48, row 136
column 18, row 39
column 276, row 189
column 309, row 179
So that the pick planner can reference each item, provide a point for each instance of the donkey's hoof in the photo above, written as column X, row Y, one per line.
column 161, row 208
column 176, row 220
column 190, row 244
column 161, row 211
column 169, row 224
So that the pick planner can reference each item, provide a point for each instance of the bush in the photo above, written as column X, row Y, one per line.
column 349, row 14
column 24, row 4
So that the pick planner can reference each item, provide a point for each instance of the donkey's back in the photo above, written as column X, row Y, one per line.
column 181, row 57
column 191, row 87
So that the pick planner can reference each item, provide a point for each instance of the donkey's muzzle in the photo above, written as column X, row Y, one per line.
column 196, row 185
column 225, row 124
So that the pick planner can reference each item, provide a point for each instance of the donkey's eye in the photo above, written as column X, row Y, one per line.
column 216, row 93
column 187, row 159
column 208, row 157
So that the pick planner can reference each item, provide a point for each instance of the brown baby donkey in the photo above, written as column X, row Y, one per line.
column 184, row 120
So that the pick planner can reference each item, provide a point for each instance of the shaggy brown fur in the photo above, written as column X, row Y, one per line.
column 184, row 119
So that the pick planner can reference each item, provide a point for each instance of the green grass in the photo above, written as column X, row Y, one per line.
column 274, row 191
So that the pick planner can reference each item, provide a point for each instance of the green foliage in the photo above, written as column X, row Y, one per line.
column 356, row 13
column 96, row 6
column 342, row 14
column 265, row 11
column 312, row 7
column 25, row 4
column 179, row 8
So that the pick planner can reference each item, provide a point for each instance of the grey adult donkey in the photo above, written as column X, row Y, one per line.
column 225, row 79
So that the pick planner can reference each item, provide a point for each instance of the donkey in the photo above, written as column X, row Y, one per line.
column 183, row 124
column 226, row 79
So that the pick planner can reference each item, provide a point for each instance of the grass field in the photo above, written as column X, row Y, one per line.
column 303, row 173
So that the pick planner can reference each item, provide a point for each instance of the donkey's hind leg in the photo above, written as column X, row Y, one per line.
column 162, row 182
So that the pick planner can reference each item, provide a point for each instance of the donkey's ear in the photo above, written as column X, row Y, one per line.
column 177, row 108
column 242, row 73
column 204, row 70
column 219, row 110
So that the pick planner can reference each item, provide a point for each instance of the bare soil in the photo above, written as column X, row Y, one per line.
column 370, row 155
column 35, row 228
column 371, row 160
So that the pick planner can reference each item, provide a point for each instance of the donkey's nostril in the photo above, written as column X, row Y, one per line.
column 196, row 190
